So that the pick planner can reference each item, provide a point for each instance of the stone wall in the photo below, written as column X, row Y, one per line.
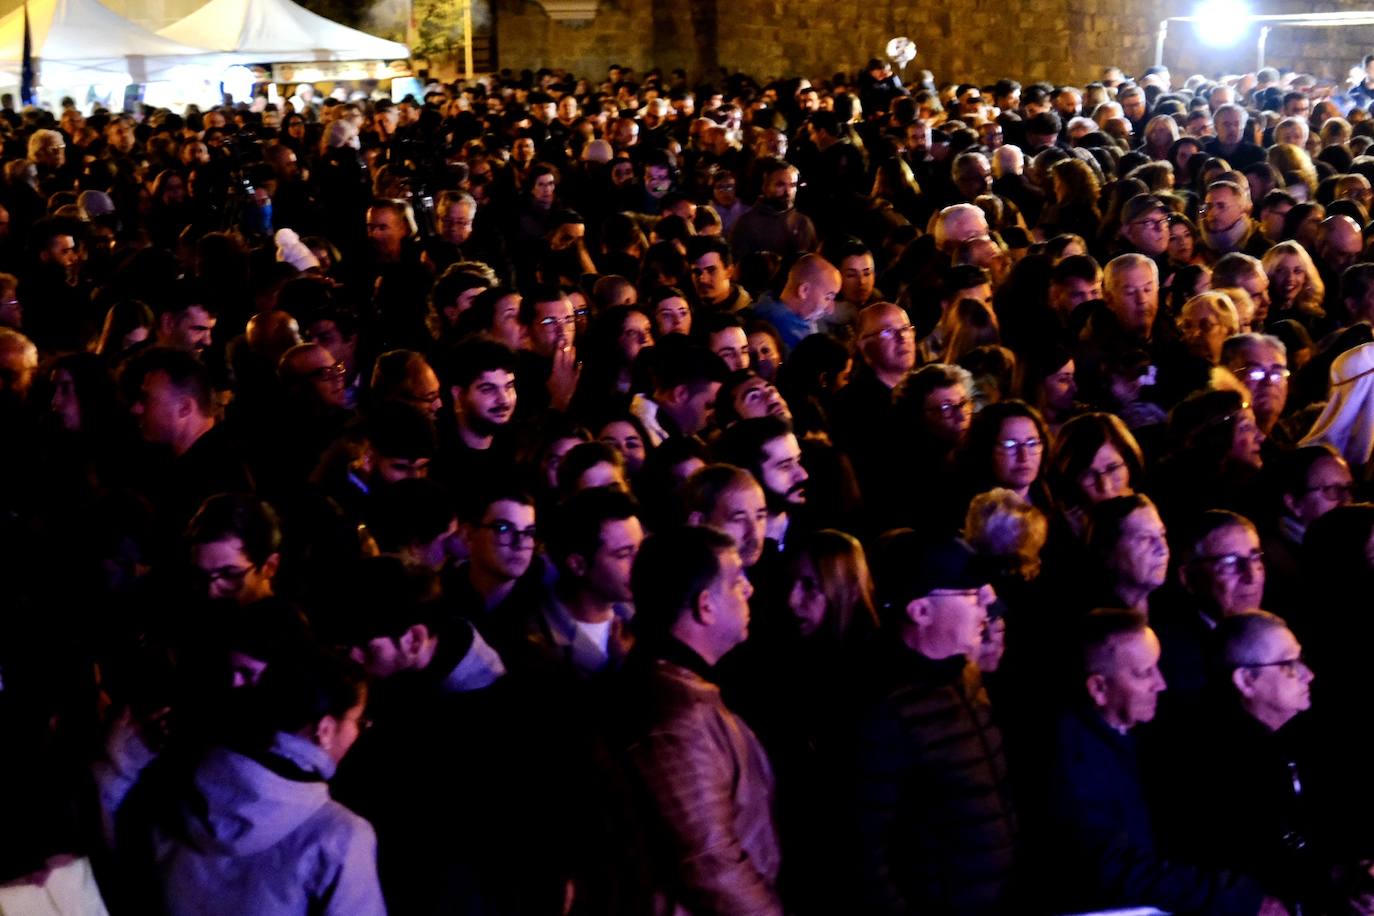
column 1056, row 40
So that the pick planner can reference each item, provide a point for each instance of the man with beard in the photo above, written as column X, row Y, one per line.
column 808, row 297
column 768, row 449
column 58, row 314
column 1226, row 224
column 481, row 381
column 774, row 224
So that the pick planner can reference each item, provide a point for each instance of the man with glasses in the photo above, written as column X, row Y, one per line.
column 583, row 626
column 549, row 375
column 1221, row 572
column 236, row 547
column 1100, row 826
column 863, row 408
column 1225, row 222
column 1260, row 361
column 456, row 219
column 935, row 824
column 1263, row 818
column 1145, row 229
column 500, row 584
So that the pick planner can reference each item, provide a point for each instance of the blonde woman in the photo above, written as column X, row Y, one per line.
column 1204, row 323
column 1295, row 288
column 1295, row 166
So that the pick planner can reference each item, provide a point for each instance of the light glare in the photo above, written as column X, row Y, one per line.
column 1221, row 22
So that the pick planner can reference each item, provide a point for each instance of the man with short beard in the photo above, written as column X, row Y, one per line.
column 808, row 297
column 774, row 224
column 481, row 380
column 768, row 449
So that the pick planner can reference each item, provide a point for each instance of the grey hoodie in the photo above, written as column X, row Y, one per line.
column 252, row 841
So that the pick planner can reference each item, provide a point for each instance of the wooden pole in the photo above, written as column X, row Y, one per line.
column 467, row 39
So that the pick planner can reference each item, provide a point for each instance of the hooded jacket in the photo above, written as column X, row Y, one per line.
column 265, row 838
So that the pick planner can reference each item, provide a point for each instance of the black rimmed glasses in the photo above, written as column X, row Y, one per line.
column 509, row 535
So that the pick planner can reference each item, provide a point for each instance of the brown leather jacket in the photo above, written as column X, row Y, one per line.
column 711, row 789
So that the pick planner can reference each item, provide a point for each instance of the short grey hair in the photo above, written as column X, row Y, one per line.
column 1231, row 348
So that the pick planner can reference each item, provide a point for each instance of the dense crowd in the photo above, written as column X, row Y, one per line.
column 561, row 497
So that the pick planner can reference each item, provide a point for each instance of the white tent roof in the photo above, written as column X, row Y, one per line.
column 277, row 31
column 84, row 40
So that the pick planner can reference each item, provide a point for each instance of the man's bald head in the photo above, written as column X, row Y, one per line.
column 1339, row 242
column 812, row 284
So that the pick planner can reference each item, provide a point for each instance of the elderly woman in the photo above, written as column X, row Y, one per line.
column 1347, row 423
column 1204, row 323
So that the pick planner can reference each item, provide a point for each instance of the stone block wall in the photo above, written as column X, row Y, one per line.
column 1063, row 41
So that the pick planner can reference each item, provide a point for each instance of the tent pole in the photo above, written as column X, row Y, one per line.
column 467, row 39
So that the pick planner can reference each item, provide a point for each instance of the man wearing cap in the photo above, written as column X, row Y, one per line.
column 935, row 826
column 1145, row 230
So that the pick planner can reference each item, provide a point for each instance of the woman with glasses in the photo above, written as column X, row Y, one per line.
column 1095, row 458
column 612, row 346
column 1007, row 445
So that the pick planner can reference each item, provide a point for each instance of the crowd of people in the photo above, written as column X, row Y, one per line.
column 554, row 496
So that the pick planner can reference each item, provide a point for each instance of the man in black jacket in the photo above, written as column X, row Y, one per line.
column 935, row 827
column 1100, row 849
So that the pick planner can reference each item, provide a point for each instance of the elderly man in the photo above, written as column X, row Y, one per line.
column 958, row 224
column 1221, row 572
column 1272, row 815
column 1260, row 361
column 1230, row 144
column 936, row 826
column 1098, row 821
column 1226, row 224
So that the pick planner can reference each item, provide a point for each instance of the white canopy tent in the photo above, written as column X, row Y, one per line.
column 277, row 31
column 83, row 41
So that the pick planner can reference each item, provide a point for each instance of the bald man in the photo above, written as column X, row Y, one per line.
column 809, row 296
column 861, row 420
column 1339, row 244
